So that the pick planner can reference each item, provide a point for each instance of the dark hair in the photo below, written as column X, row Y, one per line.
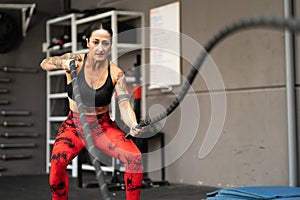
column 97, row 26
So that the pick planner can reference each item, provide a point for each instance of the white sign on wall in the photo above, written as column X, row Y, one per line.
column 165, row 46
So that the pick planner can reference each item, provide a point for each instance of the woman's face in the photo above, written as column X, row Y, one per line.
column 99, row 44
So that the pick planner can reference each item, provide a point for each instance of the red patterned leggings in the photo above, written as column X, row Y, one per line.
column 108, row 138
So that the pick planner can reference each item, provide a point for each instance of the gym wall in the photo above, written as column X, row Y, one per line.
column 27, row 92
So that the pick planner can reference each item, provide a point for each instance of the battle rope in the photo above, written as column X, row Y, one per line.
column 279, row 23
column 90, row 146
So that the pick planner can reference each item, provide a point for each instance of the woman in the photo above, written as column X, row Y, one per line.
column 97, row 78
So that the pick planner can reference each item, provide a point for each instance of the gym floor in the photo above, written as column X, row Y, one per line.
column 35, row 187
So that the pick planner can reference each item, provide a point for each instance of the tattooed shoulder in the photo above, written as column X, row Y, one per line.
column 120, row 76
column 121, row 83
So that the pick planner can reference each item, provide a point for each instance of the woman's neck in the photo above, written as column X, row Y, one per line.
column 92, row 63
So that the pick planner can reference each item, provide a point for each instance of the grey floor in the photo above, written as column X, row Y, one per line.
column 36, row 188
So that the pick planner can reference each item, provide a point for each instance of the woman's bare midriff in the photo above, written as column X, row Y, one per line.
column 88, row 110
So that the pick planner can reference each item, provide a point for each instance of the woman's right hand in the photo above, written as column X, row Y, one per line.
column 66, row 65
column 67, row 59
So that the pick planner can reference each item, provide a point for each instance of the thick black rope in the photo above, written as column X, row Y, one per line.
column 270, row 22
column 90, row 146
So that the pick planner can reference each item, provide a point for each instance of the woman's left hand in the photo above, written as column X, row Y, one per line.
column 135, row 131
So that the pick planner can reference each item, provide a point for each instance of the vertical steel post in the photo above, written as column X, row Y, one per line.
column 290, row 96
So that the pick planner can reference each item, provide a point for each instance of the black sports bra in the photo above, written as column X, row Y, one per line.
column 90, row 97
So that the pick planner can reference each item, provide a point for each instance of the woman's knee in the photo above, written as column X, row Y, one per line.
column 59, row 160
column 133, row 162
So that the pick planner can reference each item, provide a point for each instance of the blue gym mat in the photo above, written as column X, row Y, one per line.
column 256, row 192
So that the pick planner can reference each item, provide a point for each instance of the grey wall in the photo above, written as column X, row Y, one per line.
column 28, row 91
column 252, row 149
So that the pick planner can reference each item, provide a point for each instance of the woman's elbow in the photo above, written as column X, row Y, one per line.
column 42, row 64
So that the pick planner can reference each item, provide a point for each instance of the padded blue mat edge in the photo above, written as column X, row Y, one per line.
column 256, row 192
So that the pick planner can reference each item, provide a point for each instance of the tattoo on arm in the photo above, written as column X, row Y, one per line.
column 52, row 61
column 57, row 62
column 76, row 57
column 126, row 110
column 121, row 83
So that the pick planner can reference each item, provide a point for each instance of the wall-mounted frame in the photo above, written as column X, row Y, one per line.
column 165, row 46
